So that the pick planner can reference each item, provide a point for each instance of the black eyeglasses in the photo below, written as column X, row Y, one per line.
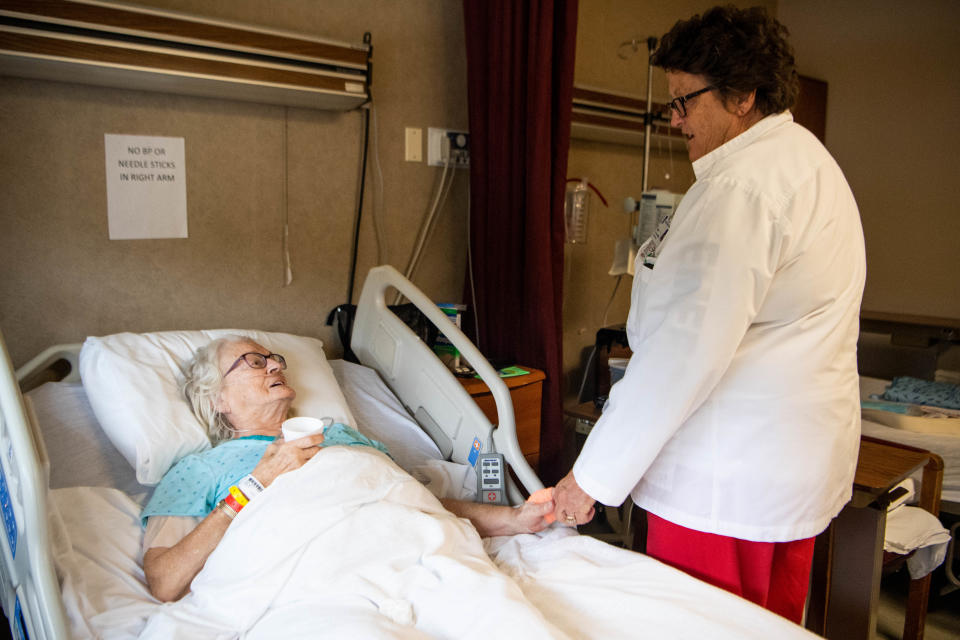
column 256, row 360
column 680, row 104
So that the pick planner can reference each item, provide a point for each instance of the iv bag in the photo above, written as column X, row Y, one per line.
column 576, row 208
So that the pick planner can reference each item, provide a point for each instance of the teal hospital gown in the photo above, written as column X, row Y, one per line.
column 195, row 485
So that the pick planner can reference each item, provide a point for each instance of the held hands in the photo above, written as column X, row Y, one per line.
column 281, row 457
column 531, row 517
column 573, row 506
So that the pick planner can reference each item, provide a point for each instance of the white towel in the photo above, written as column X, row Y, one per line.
column 913, row 528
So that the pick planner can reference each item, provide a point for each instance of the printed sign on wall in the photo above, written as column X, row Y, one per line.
column 146, row 187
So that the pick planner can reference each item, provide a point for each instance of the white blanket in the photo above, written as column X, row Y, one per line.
column 350, row 546
column 591, row 589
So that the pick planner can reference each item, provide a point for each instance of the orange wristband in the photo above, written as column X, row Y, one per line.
column 238, row 496
column 231, row 502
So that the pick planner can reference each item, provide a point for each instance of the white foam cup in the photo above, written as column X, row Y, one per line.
column 303, row 426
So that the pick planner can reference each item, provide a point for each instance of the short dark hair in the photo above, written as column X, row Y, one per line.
column 738, row 51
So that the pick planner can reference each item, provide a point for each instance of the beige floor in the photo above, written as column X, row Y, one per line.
column 943, row 616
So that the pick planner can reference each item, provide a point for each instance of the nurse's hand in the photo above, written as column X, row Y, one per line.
column 574, row 506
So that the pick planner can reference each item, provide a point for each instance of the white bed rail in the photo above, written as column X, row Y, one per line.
column 423, row 383
column 31, row 592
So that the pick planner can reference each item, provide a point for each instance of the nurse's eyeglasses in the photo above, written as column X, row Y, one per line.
column 680, row 104
column 256, row 360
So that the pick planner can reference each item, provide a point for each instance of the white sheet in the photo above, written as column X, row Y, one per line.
column 585, row 587
column 357, row 549
column 591, row 589
column 96, row 536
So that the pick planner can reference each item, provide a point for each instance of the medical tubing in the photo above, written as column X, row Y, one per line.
column 428, row 233
column 613, row 295
column 425, row 227
column 586, row 372
column 356, row 226
column 428, row 221
column 648, row 116
column 287, row 264
column 592, row 187
column 473, row 289
column 377, row 212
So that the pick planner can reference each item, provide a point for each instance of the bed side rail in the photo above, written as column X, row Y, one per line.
column 59, row 362
column 424, row 384
column 30, row 591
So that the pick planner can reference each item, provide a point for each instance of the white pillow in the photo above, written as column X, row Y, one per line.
column 131, row 381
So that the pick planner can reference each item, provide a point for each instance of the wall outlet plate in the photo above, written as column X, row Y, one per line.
column 413, row 144
column 456, row 153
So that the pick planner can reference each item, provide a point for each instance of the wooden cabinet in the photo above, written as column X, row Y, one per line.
column 526, row 392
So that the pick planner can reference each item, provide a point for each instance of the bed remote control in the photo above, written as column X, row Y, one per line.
column 491, row 479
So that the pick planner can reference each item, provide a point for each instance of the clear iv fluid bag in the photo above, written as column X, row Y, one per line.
column 576, row 208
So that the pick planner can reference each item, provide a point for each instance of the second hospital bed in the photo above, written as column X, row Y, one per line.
column 71, row 502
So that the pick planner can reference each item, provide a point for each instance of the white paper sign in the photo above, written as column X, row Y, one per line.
column 146, row 187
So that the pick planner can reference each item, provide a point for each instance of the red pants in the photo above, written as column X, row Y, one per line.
column 775, row 575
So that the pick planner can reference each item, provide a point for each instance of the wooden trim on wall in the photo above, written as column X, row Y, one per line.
column 162, row 62
column 144, row 49
column 603, row 116
column 153, row 23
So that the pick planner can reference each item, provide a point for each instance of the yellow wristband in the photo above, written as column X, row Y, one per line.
column 238, row 496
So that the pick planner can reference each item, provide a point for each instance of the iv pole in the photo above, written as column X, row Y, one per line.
column 648, row 114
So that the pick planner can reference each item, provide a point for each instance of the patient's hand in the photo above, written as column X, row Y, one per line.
column 281, row 457
column 532, row 517
column 496, row 520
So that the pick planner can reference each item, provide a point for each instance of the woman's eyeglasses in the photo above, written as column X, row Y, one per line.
column 680, row 104
column 256, row 360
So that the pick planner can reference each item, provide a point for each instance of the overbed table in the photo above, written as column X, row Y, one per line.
column 849, row 557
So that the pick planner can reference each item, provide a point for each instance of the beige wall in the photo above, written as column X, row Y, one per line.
column 893, row 124
column 63, row 279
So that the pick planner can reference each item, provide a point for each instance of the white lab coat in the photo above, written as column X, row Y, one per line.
column 739, row 411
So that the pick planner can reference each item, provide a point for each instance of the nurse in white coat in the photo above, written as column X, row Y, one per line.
column 736, row 425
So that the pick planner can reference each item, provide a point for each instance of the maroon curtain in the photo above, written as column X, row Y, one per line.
column 520, row 57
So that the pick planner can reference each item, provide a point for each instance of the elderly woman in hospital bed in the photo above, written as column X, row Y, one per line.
column 237, row 388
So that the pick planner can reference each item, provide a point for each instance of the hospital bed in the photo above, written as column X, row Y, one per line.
column 72, row 488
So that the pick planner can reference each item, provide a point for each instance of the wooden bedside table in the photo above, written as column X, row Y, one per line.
column 526, row 392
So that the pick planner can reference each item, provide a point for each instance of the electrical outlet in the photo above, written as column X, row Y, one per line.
column 446, row 147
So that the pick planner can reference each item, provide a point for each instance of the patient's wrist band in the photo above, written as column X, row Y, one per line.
column 238, row 495
column 231, row 502
column 226, row 509
column 250, row 486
